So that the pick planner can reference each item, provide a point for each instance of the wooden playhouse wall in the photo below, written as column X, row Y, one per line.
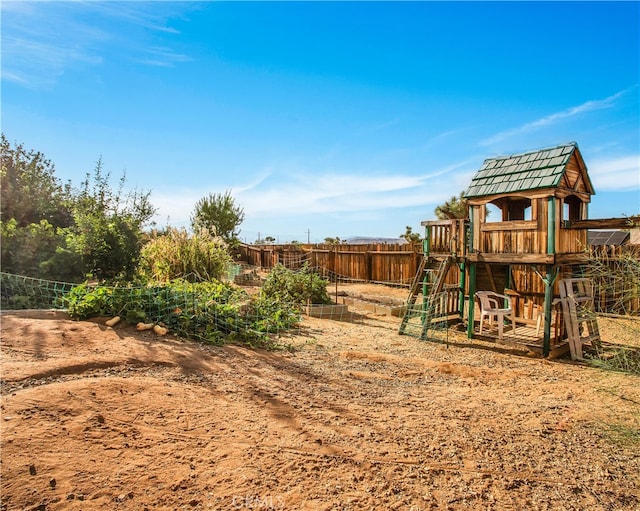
column 527, row 236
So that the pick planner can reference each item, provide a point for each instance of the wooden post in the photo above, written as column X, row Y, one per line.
column 472, row 302
column 549, row 282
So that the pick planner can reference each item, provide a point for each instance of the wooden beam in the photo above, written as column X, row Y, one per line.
column 605, row 223
column 513, row 225
column 526, row 194
column 426, row 223
column 511, row 258
column 572, row 259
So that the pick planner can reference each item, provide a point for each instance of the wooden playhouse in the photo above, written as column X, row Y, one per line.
column 526, row 229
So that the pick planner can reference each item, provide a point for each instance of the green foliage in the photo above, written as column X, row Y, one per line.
column 29, row 190
column 52, row 231
column 333, row 241
column 35, row 211
column 219, row 214
column 176, row 254
column 624, row 359
column 299, row 287
column 84, row 301
column 108, row 226
column 20, row 292
column 456, row 207
column 410, row 236
column 214, row 312
column 37, row 249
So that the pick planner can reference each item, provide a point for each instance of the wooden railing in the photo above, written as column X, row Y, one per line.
column 445, row 237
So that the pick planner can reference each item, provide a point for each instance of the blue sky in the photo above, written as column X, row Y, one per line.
column 322, row 118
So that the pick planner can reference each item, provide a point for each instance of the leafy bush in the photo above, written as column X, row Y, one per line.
column 107, row 230
column 177, row 255
column 214, row 312
column 297, row 287
column 37, row 250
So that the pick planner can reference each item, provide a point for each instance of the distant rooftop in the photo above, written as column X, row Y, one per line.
column 607, row 237
column 362, row 240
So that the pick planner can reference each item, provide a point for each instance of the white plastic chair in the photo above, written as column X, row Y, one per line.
column 490, row 308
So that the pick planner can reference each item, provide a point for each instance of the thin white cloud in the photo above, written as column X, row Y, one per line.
column 42, row 40
column 162, row 57
column 588, row 106
column 620, row 173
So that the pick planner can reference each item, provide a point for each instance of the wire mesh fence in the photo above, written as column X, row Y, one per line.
column 210, row 311
column 428, row 318
column 20, row 292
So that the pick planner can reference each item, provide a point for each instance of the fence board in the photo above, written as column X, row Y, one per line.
column 398, row 264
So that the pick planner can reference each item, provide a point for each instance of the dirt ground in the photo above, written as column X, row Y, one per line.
column 355, row 417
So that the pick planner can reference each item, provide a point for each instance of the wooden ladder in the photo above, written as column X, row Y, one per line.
column 576, row 296
column 436, row 287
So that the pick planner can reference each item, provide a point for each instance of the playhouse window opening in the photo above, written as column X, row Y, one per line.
column 509, row 209
column 572, row 208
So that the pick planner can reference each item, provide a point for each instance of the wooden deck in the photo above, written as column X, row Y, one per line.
column 523, row 337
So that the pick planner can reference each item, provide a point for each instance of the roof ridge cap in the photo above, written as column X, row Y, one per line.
column 532, row 151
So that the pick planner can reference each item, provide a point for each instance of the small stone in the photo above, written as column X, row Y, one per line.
column 52, row 483
column 100, row 419
column 32, row 470
column 71, row 496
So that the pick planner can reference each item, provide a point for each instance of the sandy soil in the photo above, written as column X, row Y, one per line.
column 356, row 417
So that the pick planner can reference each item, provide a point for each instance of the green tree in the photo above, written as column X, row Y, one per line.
column 410, row 236
column 219, row 214
column 107, row 234
column 35, row 211
column 30, row 191
column 333, row 241
column 456, row 207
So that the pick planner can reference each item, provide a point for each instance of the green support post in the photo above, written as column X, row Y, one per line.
column 551, row 226
column 472, row 293
column 426, row 248
column 472, row 275
column 461, row 290
column 549, row 281
column 550, row 277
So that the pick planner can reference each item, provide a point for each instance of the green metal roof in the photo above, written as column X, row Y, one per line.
column 520, row 172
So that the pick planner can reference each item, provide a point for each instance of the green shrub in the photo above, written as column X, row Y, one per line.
column 297, row 287
column 177, row 255
column 214, row 312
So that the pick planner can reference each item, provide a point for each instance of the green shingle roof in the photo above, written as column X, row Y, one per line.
column 519, row 172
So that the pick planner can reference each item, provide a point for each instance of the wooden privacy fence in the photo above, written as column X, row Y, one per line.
column 613, row 269
column 396, row 264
